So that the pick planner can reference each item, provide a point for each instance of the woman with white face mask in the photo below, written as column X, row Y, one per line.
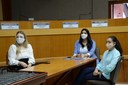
column 105, row 66
column 20, row 54
column 85, row 46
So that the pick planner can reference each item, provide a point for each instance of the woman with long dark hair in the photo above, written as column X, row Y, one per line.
column 85, row 46
column 105, row 66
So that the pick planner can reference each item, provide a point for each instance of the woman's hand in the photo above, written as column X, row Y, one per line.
column 23, row 64
column 29, row 65
column 79, row 55
column 96, row 72
column 100, row 74
column 85, row 56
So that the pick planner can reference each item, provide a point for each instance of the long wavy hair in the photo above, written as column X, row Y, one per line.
column 25, row 43
column 89, row 40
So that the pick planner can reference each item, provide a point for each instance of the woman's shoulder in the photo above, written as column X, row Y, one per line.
column 113, row 51
column 116, row 51
column 93, row 40
column 13, row 46
column 77, row 41
column 29, row 45
column 106, row 51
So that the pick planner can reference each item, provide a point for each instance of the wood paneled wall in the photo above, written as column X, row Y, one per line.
column 60, row 42
column 125, row 68
column 49, row 43
column 56, row 42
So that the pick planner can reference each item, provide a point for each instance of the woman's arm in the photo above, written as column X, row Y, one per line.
column 110, row 67
column 12, row 55
column 99, row 65
column 31, row 55
column 92, row 50
column 76, row 48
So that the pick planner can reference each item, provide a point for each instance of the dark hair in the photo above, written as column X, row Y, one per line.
column 117, row 46
column 89, row 41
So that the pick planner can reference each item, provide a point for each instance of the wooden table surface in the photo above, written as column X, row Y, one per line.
column 58, row 65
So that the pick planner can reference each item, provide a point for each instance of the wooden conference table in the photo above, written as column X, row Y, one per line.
column 61, row 71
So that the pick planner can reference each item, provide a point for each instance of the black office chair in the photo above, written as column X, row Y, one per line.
column 113, row 76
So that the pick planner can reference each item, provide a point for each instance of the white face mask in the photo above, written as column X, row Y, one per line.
column 84, row 36
column 110, row 45
column 20, row 40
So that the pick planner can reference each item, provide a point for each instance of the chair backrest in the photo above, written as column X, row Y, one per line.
column 115, row 72
column 97, row 52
